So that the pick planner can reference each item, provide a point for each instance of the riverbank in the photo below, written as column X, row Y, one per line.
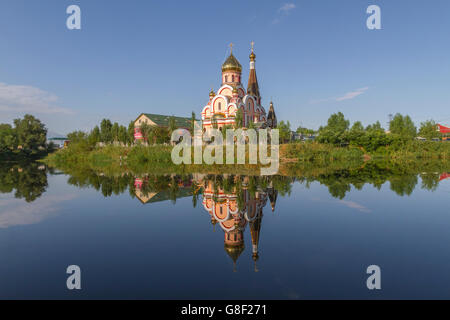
column 311, row 158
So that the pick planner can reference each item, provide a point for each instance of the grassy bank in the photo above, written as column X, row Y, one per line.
column 138, row 159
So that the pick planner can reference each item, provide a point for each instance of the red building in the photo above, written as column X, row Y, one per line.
column 443, row 129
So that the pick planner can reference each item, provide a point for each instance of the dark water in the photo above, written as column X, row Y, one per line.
column 215, row 237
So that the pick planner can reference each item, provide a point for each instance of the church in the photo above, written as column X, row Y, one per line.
column 223, row 108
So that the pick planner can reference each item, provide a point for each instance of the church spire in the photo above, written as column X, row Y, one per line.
column 253, row 88
column 255, row 228
column 271, row 117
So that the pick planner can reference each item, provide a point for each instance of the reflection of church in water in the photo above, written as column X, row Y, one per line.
column 233, row 211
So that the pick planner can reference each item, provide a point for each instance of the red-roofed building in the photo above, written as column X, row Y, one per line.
column 443, row 129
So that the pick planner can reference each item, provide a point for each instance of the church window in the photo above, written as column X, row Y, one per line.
column 220, row 106
column 226, row 78
column 232, row 78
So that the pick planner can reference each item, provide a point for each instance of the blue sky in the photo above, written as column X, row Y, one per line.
column 314, row 58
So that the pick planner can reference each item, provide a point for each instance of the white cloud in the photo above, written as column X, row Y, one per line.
column 348, row 96
column 354, row 205
column 352, row 94
column 286, row 8
column 21, row 98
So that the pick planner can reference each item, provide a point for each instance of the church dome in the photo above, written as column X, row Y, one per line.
column 231, row 64
column 234, row 251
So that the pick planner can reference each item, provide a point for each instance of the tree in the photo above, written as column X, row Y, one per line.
column 193, row 122
column 284, row 131
column 172, row 125
column 429, row 130
column 31, row 134
column 76, row 137
column 375, row 127
column 94, row 136
column 239, row 119
column 305, row 131
column 131, row 132
column 334, row 131
column 403, row 126
column 106, row 131
column 122, row 135
column 8, row 140
column 146, row 131
column 115, row 132
column 356, row 133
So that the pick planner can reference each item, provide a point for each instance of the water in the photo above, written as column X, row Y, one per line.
column 142, row 237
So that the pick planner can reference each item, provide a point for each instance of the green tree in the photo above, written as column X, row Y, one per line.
column 403, row 126
column 305, row 131
column 192, row 122
column 284, row 131
column 172, row 125
column 94, row 136
column 31, row 134
column 147, row 132
column 106, row 131
column 376, row 127
column 122, row 135
column 131, row 132
column 429, row 130
column 356, row 134
column 115, row 132
column 239, row 119
column 8, row 139
column 335, row 130
column 77, row 137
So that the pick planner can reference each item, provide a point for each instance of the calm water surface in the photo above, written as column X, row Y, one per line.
column 216, row 237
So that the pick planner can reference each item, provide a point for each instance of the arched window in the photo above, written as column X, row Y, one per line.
column 220, row 106
column 232, row 78
column 226, row 78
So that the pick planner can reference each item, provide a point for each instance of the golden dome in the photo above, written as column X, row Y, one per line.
column 252, row 55
column 234, row 251
column 235, row 90
column 212, row 93
column 231, row 64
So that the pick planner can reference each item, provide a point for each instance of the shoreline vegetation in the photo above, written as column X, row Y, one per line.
column 303, row 158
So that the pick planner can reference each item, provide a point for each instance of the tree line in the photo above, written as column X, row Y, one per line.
column 401, row 130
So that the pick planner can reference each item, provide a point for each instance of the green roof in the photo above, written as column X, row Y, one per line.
column 165, row 195
column 163, row 121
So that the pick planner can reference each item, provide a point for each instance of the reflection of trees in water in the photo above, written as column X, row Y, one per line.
column 403, row 185
column 402, row 180
column 27, row 180
column 430, row 181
